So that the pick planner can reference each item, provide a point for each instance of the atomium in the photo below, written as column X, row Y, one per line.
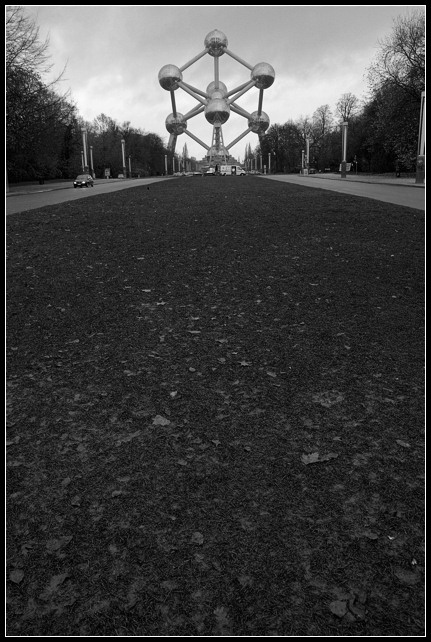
column 217, row 102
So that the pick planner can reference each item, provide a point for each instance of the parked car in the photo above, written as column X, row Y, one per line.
column 83, row 180
column 312, row 170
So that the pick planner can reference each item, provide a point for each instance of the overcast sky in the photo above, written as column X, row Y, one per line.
column 113, row 55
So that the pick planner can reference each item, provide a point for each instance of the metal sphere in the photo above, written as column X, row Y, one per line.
column 176, row 124
column 216, row 43
column 217, row 111
column 258, row 124
column 263, row 75
column 212, row 88
column 169, row 77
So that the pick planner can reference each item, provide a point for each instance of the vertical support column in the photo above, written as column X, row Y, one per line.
column 420, row 161
column 216, row 72
column 344, row 148
column 269, row 163
column 166, row 165
column 84, row 145
column 123, row 145
column 130, row 166
column 91, row 161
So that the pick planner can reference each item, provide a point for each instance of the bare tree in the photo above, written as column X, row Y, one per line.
column 401, row 59
column 347, row 106
column 23, row 46
column 322, row 121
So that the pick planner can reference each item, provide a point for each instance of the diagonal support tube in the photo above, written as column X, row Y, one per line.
column 234, row 142
column 240, row 111
column 194, row 112
column 238, row 59
column 190, row 62
column 248, row 86
column 196, row 139
column 197, row 91
column 192, row 93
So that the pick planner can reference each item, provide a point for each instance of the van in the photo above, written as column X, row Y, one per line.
column 232, row 170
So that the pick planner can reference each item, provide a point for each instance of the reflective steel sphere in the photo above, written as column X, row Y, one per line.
column 258, row 124
column 221, row 87
column 216, row 43
column 263, row 74
column 217, row 111
column 176, row 124
column 169, row 77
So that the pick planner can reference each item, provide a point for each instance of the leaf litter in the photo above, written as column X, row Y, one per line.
column 117, row 557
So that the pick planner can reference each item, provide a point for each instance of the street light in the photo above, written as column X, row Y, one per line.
column 123, row 143
column 84, row 144
column 420, row 161
column 344, row 148
column 91, row 161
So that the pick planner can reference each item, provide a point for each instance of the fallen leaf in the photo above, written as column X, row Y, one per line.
column 310, row 459
column 222, row 620
column 160, row 421
column 404, row 444
column 55, row 582
column 16, row 576
column 198, row 538
column 56, row 544
column 315, row 458
column 127, row 438
column 338, row 608
column 407, row 577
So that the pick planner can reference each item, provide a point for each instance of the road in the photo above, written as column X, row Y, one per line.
column 402, row 192
column 22, row 199
column 399, row 193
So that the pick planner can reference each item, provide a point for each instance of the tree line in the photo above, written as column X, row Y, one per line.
column 44, row 128
column 382, row 131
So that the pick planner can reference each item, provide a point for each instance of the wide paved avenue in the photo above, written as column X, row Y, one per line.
column 400, row 192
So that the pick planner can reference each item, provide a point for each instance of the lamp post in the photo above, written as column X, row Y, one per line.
column 123, row 144
column 420, row 162
column 307, row 155
column 91, row 161
column 302, row 161
column 344, row 148
column 130, row 166
column 84, row 145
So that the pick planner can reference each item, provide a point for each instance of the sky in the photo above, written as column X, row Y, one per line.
column 112, row 56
